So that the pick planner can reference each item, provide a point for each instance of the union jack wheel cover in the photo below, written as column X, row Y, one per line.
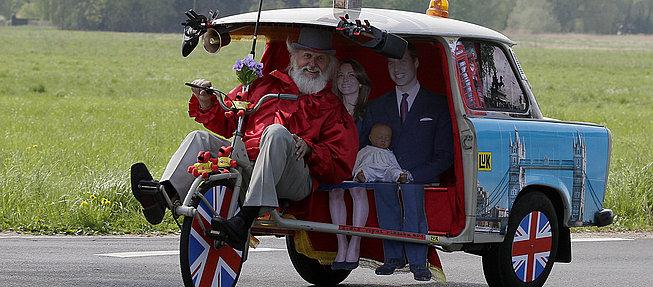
column 531, row 246
column 210, row 266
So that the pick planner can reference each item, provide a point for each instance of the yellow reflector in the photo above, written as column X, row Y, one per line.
column 438, row 8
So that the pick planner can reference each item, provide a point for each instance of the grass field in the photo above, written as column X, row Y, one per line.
column 78, row 108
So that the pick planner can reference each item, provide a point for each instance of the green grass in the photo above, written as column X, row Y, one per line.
column 78, row 108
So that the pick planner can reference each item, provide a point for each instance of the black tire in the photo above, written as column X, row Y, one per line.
column 311, row 270
column 188, row 246
column 498, row 261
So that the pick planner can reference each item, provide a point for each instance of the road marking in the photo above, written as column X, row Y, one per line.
column 600, row 239
column 140, row 254
column 170, row 252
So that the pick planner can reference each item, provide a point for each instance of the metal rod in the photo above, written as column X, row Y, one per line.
column 258, row 19
column 378, row 233
column 208, row 204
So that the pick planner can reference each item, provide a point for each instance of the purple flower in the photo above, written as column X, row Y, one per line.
column 239, row 65
column 250, row 63
column 248, row 70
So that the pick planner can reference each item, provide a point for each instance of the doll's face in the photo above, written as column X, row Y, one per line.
column 380, row 136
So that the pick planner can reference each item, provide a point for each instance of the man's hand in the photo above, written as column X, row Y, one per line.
column 403, row 178
column 360, row 176
column 301, row 148
column 204, row 98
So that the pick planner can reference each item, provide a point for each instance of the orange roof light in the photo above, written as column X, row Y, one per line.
column 438, row 8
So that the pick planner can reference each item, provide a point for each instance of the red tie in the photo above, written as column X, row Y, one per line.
column 403, row 113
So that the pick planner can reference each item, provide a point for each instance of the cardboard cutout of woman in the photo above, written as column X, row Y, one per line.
column 353, row 87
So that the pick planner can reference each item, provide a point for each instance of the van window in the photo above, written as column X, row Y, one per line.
column 487, row 80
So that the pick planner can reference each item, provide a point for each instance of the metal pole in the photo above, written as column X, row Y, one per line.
column 258, row 18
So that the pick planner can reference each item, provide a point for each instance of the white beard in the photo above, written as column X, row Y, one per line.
column 305, row 84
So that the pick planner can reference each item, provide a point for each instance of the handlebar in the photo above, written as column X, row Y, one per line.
column 220, row 95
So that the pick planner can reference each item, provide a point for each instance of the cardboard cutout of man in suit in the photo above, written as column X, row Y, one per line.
column 422, row 142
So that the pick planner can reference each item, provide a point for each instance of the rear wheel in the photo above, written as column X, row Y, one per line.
column 311, row 270
column 202, row 262
column 526, row 255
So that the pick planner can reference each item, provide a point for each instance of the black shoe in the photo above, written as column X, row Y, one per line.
column 389, row 266
column 234, row 232
column 147, row 192
column 338, row 265
column 344, row 265
column 420, row 272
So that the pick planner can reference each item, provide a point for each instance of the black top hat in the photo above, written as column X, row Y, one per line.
column 315, row 40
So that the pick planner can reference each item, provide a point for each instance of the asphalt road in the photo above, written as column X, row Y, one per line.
column 102, row 261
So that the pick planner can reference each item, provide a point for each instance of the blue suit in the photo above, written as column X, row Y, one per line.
column 423, row 145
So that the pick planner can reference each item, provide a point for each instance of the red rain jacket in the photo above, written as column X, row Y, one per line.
column 320, row 119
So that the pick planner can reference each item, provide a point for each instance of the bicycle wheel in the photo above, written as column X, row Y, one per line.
column 202, row 263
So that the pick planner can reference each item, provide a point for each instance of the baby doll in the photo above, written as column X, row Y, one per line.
column 376, row 162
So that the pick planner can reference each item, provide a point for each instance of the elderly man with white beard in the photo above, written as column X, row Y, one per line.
column 294, row 145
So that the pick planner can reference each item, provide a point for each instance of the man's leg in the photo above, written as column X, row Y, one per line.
column 388, row 211
column 276, row 174
column 176, row 180
column 176, row 173
column 415, row 221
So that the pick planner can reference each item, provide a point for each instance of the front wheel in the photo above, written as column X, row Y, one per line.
column 202, row 262
column 526, row 255
column 311, row 270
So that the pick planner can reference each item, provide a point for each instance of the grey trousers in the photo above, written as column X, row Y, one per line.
column 276, row 173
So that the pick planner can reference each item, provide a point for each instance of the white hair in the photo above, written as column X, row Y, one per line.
column 307, row 85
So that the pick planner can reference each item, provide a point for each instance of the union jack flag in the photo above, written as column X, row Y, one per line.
column 531, row 246
column 210, row 266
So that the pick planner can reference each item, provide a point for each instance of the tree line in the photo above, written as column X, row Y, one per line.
column 537, row 16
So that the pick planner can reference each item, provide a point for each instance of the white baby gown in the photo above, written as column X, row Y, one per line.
column 377, row 164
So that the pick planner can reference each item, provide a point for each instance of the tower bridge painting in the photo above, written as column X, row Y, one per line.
column 493, row 206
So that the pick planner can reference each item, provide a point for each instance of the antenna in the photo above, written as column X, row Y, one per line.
column 258, row 19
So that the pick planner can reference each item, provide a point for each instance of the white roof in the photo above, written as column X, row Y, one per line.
column 394, row 21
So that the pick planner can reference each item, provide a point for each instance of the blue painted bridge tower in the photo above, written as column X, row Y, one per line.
column 519, row 163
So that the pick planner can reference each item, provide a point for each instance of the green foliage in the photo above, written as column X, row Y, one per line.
column 533, row 16
column 493, row 14
column 580, row 16
column 10, row 7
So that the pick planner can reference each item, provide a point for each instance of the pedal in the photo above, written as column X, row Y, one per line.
column 218, row 238
column 217, row 244
column 149, row 186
